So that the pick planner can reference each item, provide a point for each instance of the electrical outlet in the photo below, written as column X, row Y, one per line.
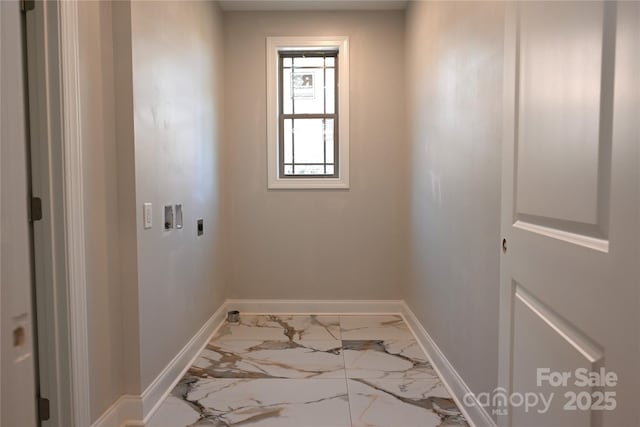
column 147, row 213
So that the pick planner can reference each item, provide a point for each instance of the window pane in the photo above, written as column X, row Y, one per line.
column 330, row 88
column 308, row 87
column 312, row 61
column 309, row 141
column 329, row 139
column 287, row 103
column 308, row 93
column 309, row 170
column 288, row 141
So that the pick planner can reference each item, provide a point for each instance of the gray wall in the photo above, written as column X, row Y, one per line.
column 454, row 83
column 125, row 176
column 151, row 91
column 318, row 244
column 104, row 299
column 177, row 86
column 423, row 215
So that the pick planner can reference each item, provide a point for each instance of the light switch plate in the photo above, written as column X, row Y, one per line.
column 147, row 212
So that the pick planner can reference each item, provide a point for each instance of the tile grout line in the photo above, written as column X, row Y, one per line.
column 346, row 377
column 341, row 317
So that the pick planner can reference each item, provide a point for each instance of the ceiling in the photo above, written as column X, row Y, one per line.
column 283, row 5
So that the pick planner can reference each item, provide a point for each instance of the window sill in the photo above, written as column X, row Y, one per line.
column 308, row 184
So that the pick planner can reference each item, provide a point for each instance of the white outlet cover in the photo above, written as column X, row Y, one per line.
column 147, row 211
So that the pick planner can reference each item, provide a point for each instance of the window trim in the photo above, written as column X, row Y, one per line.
column 274, row 46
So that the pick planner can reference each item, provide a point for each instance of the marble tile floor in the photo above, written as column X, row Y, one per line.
column 310, row 371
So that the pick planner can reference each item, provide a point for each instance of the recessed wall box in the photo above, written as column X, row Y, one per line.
column 178, row 216
column 168, row 217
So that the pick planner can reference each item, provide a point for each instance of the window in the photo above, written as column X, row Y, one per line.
column 307, row 97
column 307, row 116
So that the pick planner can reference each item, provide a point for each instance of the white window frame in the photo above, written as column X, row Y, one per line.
column 275, row 45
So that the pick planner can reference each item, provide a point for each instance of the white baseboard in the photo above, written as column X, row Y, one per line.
column 127, row 407
column 130, row 411
column 273, row 306
column 134, row 411
column 155, row 393
column 476, row 415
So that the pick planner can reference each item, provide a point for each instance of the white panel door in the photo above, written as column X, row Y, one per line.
column 17, row 373
column 570, row 277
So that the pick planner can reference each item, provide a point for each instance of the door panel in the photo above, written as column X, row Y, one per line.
column 565, row 60
column 18, row 395
column 541, row 338
column 570, row 293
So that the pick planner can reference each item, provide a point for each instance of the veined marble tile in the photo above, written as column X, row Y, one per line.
column 281, row 328
column 271, row 359
column 406, row 403
column 390, row 359
column 264, row 402
column 374, row 328
column 174, row 412
column 286, row 371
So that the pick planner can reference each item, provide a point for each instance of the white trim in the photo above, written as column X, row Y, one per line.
column 74, row 212
column 507, row 208
column 132, row 410
column 278, row 43
column 156, row 392
column 127, row 407
column 572, row 335
column 594, row 243
column 324, row 5
column 129, row 411
column 475, row 415
column 50, row 234
column 261, row 306
column 1, row 400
